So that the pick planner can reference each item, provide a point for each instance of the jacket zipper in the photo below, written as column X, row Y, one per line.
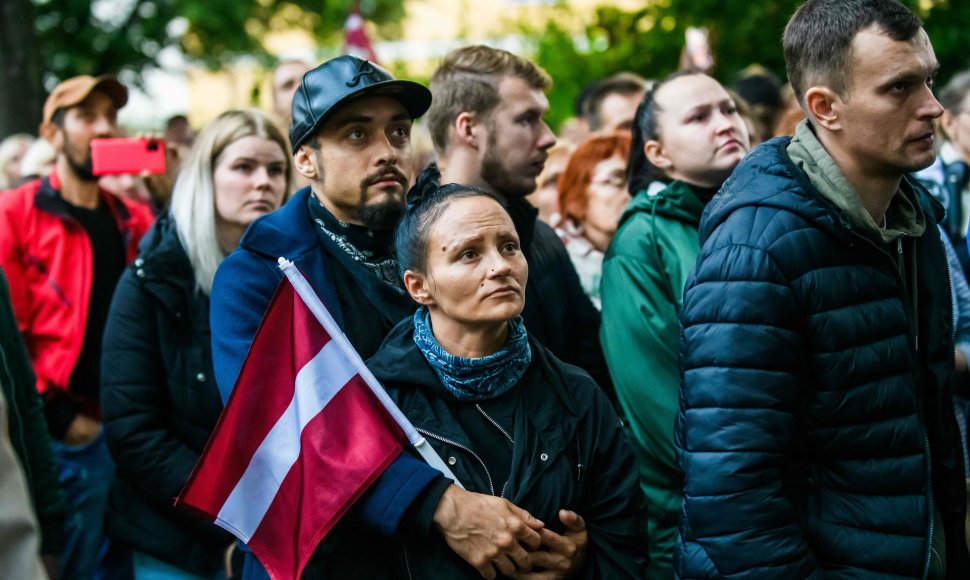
column 579, row 462
column 504, row 432
column 919, row 399
column 491, row 486
column 929, row 479
column 407, row 562
column 493, row 422
column 926, row 446
column 921, row 413
column 913, row 298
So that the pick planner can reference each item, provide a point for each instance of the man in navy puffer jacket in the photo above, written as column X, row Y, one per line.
column 816, row 426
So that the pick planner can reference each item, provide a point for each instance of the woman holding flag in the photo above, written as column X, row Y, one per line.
column 158, row 392
column 508, row 418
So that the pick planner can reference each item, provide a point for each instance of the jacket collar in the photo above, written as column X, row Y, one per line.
column 162, row 256
column 164, row 269
column 286, row 232
column 783, row 185
column 808, row 153
column 675, row 200
column 48, row 198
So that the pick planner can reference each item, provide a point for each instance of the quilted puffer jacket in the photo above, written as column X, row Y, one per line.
column 816, row 426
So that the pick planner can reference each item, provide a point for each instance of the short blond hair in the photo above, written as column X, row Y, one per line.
column 467, row 81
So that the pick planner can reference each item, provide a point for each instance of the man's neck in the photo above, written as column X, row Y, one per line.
column 346, row 216
column 74, row 190
column 461, row 166
column 875, row 191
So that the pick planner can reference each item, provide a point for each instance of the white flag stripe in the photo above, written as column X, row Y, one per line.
column 317, row 308
column 316, row 384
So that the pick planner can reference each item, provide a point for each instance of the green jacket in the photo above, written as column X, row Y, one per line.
column 28, row 428
column 644, row 272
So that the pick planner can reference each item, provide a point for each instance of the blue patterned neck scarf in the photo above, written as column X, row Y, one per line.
column 475, row 379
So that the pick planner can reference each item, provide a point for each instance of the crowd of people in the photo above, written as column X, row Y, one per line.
column 705, row 331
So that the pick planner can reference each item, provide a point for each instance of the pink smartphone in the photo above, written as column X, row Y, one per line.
column 127, row 155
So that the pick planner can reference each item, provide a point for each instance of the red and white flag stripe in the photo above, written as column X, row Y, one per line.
column 316, row 385
column 305, row 432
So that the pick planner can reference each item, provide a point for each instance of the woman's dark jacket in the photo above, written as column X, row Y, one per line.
column 160, row 403
column 570, row 452
column 816, row 426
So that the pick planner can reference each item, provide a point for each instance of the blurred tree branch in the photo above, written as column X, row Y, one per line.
column 45, row 41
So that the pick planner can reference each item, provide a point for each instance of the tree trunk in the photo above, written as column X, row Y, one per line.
column 21, row 77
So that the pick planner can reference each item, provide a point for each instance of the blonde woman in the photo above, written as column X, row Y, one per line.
column 12, row 150
column 158, row 393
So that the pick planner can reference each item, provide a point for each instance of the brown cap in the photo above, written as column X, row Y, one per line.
column 74, row 90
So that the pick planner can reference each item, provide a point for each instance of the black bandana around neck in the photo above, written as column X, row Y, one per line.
column 368, row 247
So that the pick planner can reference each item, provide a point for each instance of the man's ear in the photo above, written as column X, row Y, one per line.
column 825, row 106
column 304, row 159
column 417, row 286
column 51, row 133
column 656, row 155
column 466, row 129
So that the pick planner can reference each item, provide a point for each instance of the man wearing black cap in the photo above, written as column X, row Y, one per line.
column 63, row 243
column 351, row 139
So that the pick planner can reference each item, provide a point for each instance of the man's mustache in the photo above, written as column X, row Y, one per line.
column 382, row 175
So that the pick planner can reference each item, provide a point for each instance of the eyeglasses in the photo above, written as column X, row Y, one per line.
column 614, row 179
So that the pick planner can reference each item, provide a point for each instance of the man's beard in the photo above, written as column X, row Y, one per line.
column 495, row 173
column 83, row 169
column 383, row 215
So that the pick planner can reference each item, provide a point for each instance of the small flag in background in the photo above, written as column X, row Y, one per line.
column 356, row 42
column 300, row 440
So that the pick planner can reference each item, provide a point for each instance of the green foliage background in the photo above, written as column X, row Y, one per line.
column 649, row 40
column 43, row 41
column 73, row 40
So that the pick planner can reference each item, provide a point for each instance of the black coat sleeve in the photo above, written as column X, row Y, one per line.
column 28, row 429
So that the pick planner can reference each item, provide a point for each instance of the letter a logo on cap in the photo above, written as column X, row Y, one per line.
column 365, row 69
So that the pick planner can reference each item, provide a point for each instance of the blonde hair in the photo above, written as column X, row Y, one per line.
column 193, row 197
column 9, row 148
column 38, row 159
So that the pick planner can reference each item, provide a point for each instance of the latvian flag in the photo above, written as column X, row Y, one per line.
column 302, row 436
column 356, row 41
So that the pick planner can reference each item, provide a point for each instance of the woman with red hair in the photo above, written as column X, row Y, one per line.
column 592, row 196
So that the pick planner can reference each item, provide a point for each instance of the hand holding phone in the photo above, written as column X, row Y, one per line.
column 127, row 155
column 698, row 47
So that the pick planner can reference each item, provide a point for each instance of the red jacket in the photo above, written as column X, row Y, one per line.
column 47, row 257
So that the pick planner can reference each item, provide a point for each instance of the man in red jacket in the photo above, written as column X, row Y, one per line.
column 63, row 243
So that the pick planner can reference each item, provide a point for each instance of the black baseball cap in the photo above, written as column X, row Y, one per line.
column 341, row 80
